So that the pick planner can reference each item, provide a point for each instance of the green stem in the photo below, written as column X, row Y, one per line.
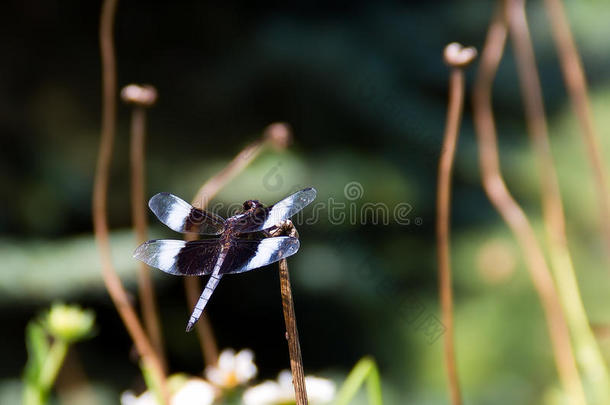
column 52, row 364
column 151, row 382
column 364, row 370
column 37, row 389
column 588, row 354
column 33, row 395
column 373, row 385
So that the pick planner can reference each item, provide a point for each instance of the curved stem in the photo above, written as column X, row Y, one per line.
column 587, row 351
column 513, row 215
column 100, row 193
column 454, row 114
column 576, row 83
column 146, row 288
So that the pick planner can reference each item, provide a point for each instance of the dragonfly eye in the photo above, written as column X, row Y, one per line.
column 250, row 204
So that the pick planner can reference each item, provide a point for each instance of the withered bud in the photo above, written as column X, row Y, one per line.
column 279, row 134
column 457, row 56
column 143, row 95
column 285, row 228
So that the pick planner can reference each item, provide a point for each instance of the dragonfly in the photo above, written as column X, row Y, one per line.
column 244, row 243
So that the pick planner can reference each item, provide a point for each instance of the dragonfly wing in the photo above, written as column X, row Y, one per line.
column 289, row 206
column 181, row 216
column 249, row 254
column 178, row 257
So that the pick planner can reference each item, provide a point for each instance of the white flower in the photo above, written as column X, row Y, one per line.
column 194, row 391
column 319, row 391
column 232, row 369
column 129, row 398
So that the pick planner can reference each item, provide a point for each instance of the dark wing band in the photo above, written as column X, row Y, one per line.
column 196, row 258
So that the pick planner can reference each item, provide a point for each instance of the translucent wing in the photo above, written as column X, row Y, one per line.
column 178, row 257
column 265, row 218
column 181, row 216
column 247, row 254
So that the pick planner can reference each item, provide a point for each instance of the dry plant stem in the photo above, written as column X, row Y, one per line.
column 211, row 187
column 192, row 285
column 514, row 216
column 454, row 113
column 292, row 334
column 576, row 84
column 588, row 354
column 205, row 193
column 113, row 283
column 148, row 300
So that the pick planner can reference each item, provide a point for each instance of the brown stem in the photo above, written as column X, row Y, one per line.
column 278, row 135
column 100, row 223
column 593, row 366
column 454, row 115
column 536, row 121
column 513, row 215
column 211, row 187
column 148, row 300
column 576, row 83
column 292, row 335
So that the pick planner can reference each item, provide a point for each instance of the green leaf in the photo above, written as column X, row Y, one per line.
column 373, row 385
column 364, row 370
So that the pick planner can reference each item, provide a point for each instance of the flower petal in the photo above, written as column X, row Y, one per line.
column 267, row 393
column 194, row 392
column 215, row 375
column 226, row 360
column 245, row 369
column 146, row 398
column 320, row 390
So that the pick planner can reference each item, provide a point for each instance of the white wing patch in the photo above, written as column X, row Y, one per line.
column 289, row 206
column 176, row 216
column 269, row 251
column 263, row 256
column 171, row 210
column 160, row 254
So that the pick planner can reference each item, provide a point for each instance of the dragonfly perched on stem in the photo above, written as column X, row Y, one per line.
column 238, row 249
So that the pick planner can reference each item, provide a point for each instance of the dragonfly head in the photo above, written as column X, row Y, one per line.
column 252, row 205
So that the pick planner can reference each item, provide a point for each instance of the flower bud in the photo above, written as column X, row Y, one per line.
column 69, row 322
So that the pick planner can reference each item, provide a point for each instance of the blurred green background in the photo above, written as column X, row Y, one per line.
column 364, row 88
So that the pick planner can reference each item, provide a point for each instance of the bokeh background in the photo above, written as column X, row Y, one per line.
column 364, row 88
